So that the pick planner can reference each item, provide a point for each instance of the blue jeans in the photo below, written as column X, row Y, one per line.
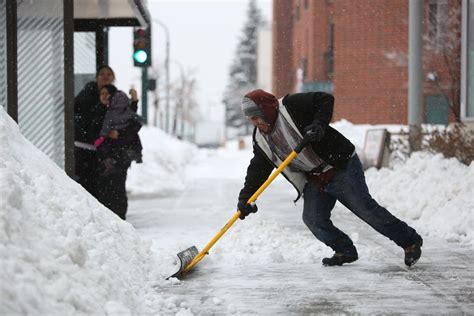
column 348, row 186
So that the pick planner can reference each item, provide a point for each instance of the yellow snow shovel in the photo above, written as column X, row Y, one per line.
column 190, row 257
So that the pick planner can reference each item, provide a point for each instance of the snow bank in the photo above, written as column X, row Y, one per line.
column 162, row 170
column 61, row 251
column 221, row 158
column 356, row 133
column 264, row 242
column 433, row 192
column 428, row 190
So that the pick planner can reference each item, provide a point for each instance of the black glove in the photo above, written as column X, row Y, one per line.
column 245, row 208
column 314, row 132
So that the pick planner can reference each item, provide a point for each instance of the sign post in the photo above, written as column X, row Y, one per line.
column 377, row 148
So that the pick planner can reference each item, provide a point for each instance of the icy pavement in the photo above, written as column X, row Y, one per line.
column 245, row 274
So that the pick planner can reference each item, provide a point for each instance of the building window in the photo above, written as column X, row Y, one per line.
column 304, row 66
column 306, row 4
column 318, row 85
column 437, row 109
column 329, row 55
column 437, row 23
column 297, row 12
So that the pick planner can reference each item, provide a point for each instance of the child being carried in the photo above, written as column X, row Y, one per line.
column 119, row 143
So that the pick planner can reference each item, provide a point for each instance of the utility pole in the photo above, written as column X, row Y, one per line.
column 415, row 66
column 167, row 74
column 145, row 95
column 156, row 101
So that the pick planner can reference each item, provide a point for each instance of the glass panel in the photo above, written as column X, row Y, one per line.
column 41, row 75
column 84, row 59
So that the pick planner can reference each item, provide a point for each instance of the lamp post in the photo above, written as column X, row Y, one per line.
column 415, row 65
column 167, row 74
column 180, row 108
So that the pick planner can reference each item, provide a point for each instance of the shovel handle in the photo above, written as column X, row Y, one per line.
column 253, row 198
column 272, row 177
column 209, row 245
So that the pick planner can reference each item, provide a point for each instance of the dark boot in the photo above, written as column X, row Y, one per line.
column 413, row 253
column 339, row 258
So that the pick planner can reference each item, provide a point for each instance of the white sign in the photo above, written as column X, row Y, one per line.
column 376, row 144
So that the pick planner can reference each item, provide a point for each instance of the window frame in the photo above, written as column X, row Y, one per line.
column 465, row 62
column 437, row 23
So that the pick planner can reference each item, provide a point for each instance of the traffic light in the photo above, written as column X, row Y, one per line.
column 151, row 85
column 142, row 47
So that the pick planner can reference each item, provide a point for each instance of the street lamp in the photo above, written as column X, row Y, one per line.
column 167, row 74
column 181, row 103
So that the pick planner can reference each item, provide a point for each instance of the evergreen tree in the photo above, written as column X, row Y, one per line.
column 243, row 71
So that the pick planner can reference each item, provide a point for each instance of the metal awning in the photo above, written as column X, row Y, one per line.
column 89, row 14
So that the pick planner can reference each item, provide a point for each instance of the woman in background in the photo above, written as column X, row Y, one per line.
column 89, row 115
column 117, row 146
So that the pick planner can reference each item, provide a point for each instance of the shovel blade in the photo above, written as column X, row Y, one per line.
column 185, row 258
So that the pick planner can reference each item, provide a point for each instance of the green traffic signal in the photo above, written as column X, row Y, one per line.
column 141, row 47
column 140, row 56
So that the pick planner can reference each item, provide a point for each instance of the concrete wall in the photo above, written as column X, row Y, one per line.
column 264, row 58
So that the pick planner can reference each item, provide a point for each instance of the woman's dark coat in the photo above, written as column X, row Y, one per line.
column 89, row 114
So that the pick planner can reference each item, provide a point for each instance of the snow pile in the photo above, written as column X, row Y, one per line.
column 61, row 251
column 163, row 159
column 431, row 193
column 434, row 192
column 222, row 159
column 264, row 242
column 356, row 133
column 428, row 190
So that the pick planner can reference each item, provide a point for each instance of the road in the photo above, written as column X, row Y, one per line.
column 225, row 282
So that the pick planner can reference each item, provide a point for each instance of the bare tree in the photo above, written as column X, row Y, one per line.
column 243, row 71
column 185, row 104
column 444, row 43
column 158, row 119
column 441, row 52
column 189, row 110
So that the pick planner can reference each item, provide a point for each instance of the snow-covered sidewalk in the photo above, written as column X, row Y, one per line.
column 62, row 253
column 271, row 264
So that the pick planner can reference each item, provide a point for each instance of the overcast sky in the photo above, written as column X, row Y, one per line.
column 203, row 38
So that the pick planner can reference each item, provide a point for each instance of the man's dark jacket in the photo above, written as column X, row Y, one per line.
column 304, row 109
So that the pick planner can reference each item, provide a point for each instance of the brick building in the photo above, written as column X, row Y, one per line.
column 358, row 50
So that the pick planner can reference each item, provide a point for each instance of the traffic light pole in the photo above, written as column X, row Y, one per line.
column 145, row 94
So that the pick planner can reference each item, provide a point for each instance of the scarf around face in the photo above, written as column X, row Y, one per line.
column 283, row 139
